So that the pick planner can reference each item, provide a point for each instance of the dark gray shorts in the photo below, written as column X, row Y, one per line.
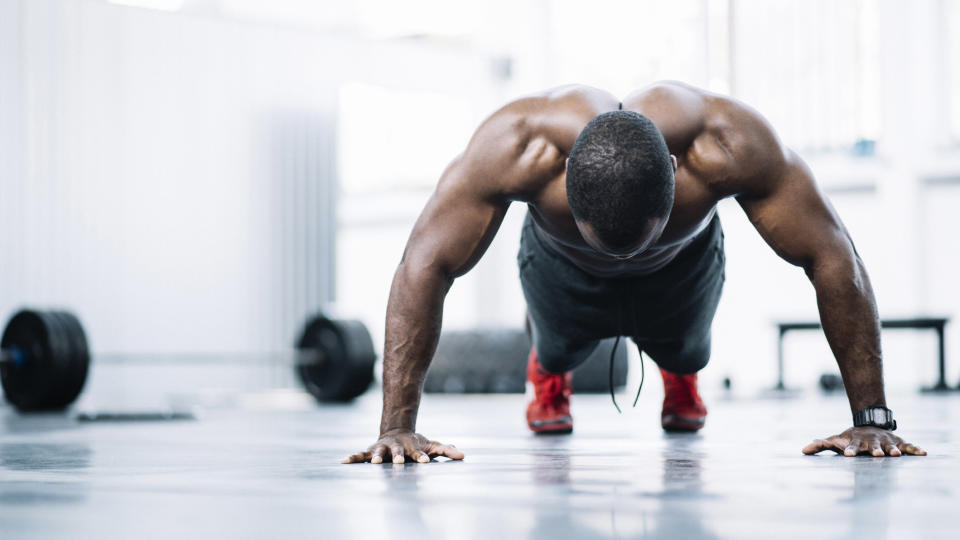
column 667, row 313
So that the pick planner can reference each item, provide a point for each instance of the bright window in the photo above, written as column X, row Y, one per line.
column 812, row 67
column 953, row 45
column 621, row 46
column 394, row 138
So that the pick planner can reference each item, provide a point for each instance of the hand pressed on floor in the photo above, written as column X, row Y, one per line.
column 401, row 445
column 870, row 441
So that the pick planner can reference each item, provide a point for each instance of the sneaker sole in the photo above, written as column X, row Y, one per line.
column 552, row 427
column 673, row 423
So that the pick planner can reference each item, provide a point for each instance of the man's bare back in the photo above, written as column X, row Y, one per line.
column 721, row 148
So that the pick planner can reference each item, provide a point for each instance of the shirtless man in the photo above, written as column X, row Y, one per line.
column 622, row 238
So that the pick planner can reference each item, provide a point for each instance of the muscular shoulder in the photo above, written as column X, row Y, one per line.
column 678, row 110
column 755, row 154
column 525, row 143
column 721, row 140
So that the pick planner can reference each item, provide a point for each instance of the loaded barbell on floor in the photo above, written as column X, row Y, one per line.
column 45, row 358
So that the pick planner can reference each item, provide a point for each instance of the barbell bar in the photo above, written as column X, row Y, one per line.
column 45, row 359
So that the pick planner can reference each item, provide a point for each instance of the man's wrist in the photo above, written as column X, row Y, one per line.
column 398, row 421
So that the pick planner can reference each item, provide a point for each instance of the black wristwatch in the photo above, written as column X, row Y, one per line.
column 876, row 416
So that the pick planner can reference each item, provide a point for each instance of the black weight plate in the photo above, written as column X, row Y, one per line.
column 26, row 383
column 344, row 358
column 60, row 366
column 320, row 378
column 362, row 358
column 324, row 378
column 80, row 364
column 78, row 361
column 83, row 353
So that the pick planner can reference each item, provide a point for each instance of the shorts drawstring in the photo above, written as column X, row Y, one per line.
column 613, row 353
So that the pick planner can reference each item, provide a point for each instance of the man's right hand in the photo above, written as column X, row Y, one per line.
column 402, row 444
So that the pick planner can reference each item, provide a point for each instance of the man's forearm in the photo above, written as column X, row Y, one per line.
column 414, row 314
column 848, row 313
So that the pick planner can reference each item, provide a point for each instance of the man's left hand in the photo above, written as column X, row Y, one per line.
column 867, row 440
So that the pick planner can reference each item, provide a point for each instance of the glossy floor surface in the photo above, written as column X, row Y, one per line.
column 266, row 465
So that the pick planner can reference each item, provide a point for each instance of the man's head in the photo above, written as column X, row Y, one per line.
column 620, row 183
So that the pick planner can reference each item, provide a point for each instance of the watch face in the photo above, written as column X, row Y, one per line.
column 875, row 416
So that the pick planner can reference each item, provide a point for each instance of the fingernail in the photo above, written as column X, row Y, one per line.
column 376, row 460
column 423, row 459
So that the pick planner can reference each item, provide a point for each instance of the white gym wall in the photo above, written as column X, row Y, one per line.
column 167, row 166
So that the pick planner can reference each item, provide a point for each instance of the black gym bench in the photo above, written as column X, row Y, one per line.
column 930, row 323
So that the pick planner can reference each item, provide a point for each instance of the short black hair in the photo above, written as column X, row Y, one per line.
column 619, row 175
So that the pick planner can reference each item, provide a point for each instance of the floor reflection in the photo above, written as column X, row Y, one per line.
column 874, row 484
column 38, row 422
column 39, row 457
column 551, row 468
column 671, row 508
column 680, row 514
column 403, row 507
column 45, row 458
column 554, row 514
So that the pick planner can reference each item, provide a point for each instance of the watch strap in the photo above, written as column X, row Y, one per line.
column 876, row 416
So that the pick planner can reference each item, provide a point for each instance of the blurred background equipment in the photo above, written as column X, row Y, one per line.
column 341, row 359
column 493, row 361
column 828, row 382
column 270, row 178
column 45, row 358
column 831, row 382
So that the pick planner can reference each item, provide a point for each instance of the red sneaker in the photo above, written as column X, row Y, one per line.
column 683, row 410
column 549, row 412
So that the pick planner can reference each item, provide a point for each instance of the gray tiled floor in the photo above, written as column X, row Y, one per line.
column 254, row 469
